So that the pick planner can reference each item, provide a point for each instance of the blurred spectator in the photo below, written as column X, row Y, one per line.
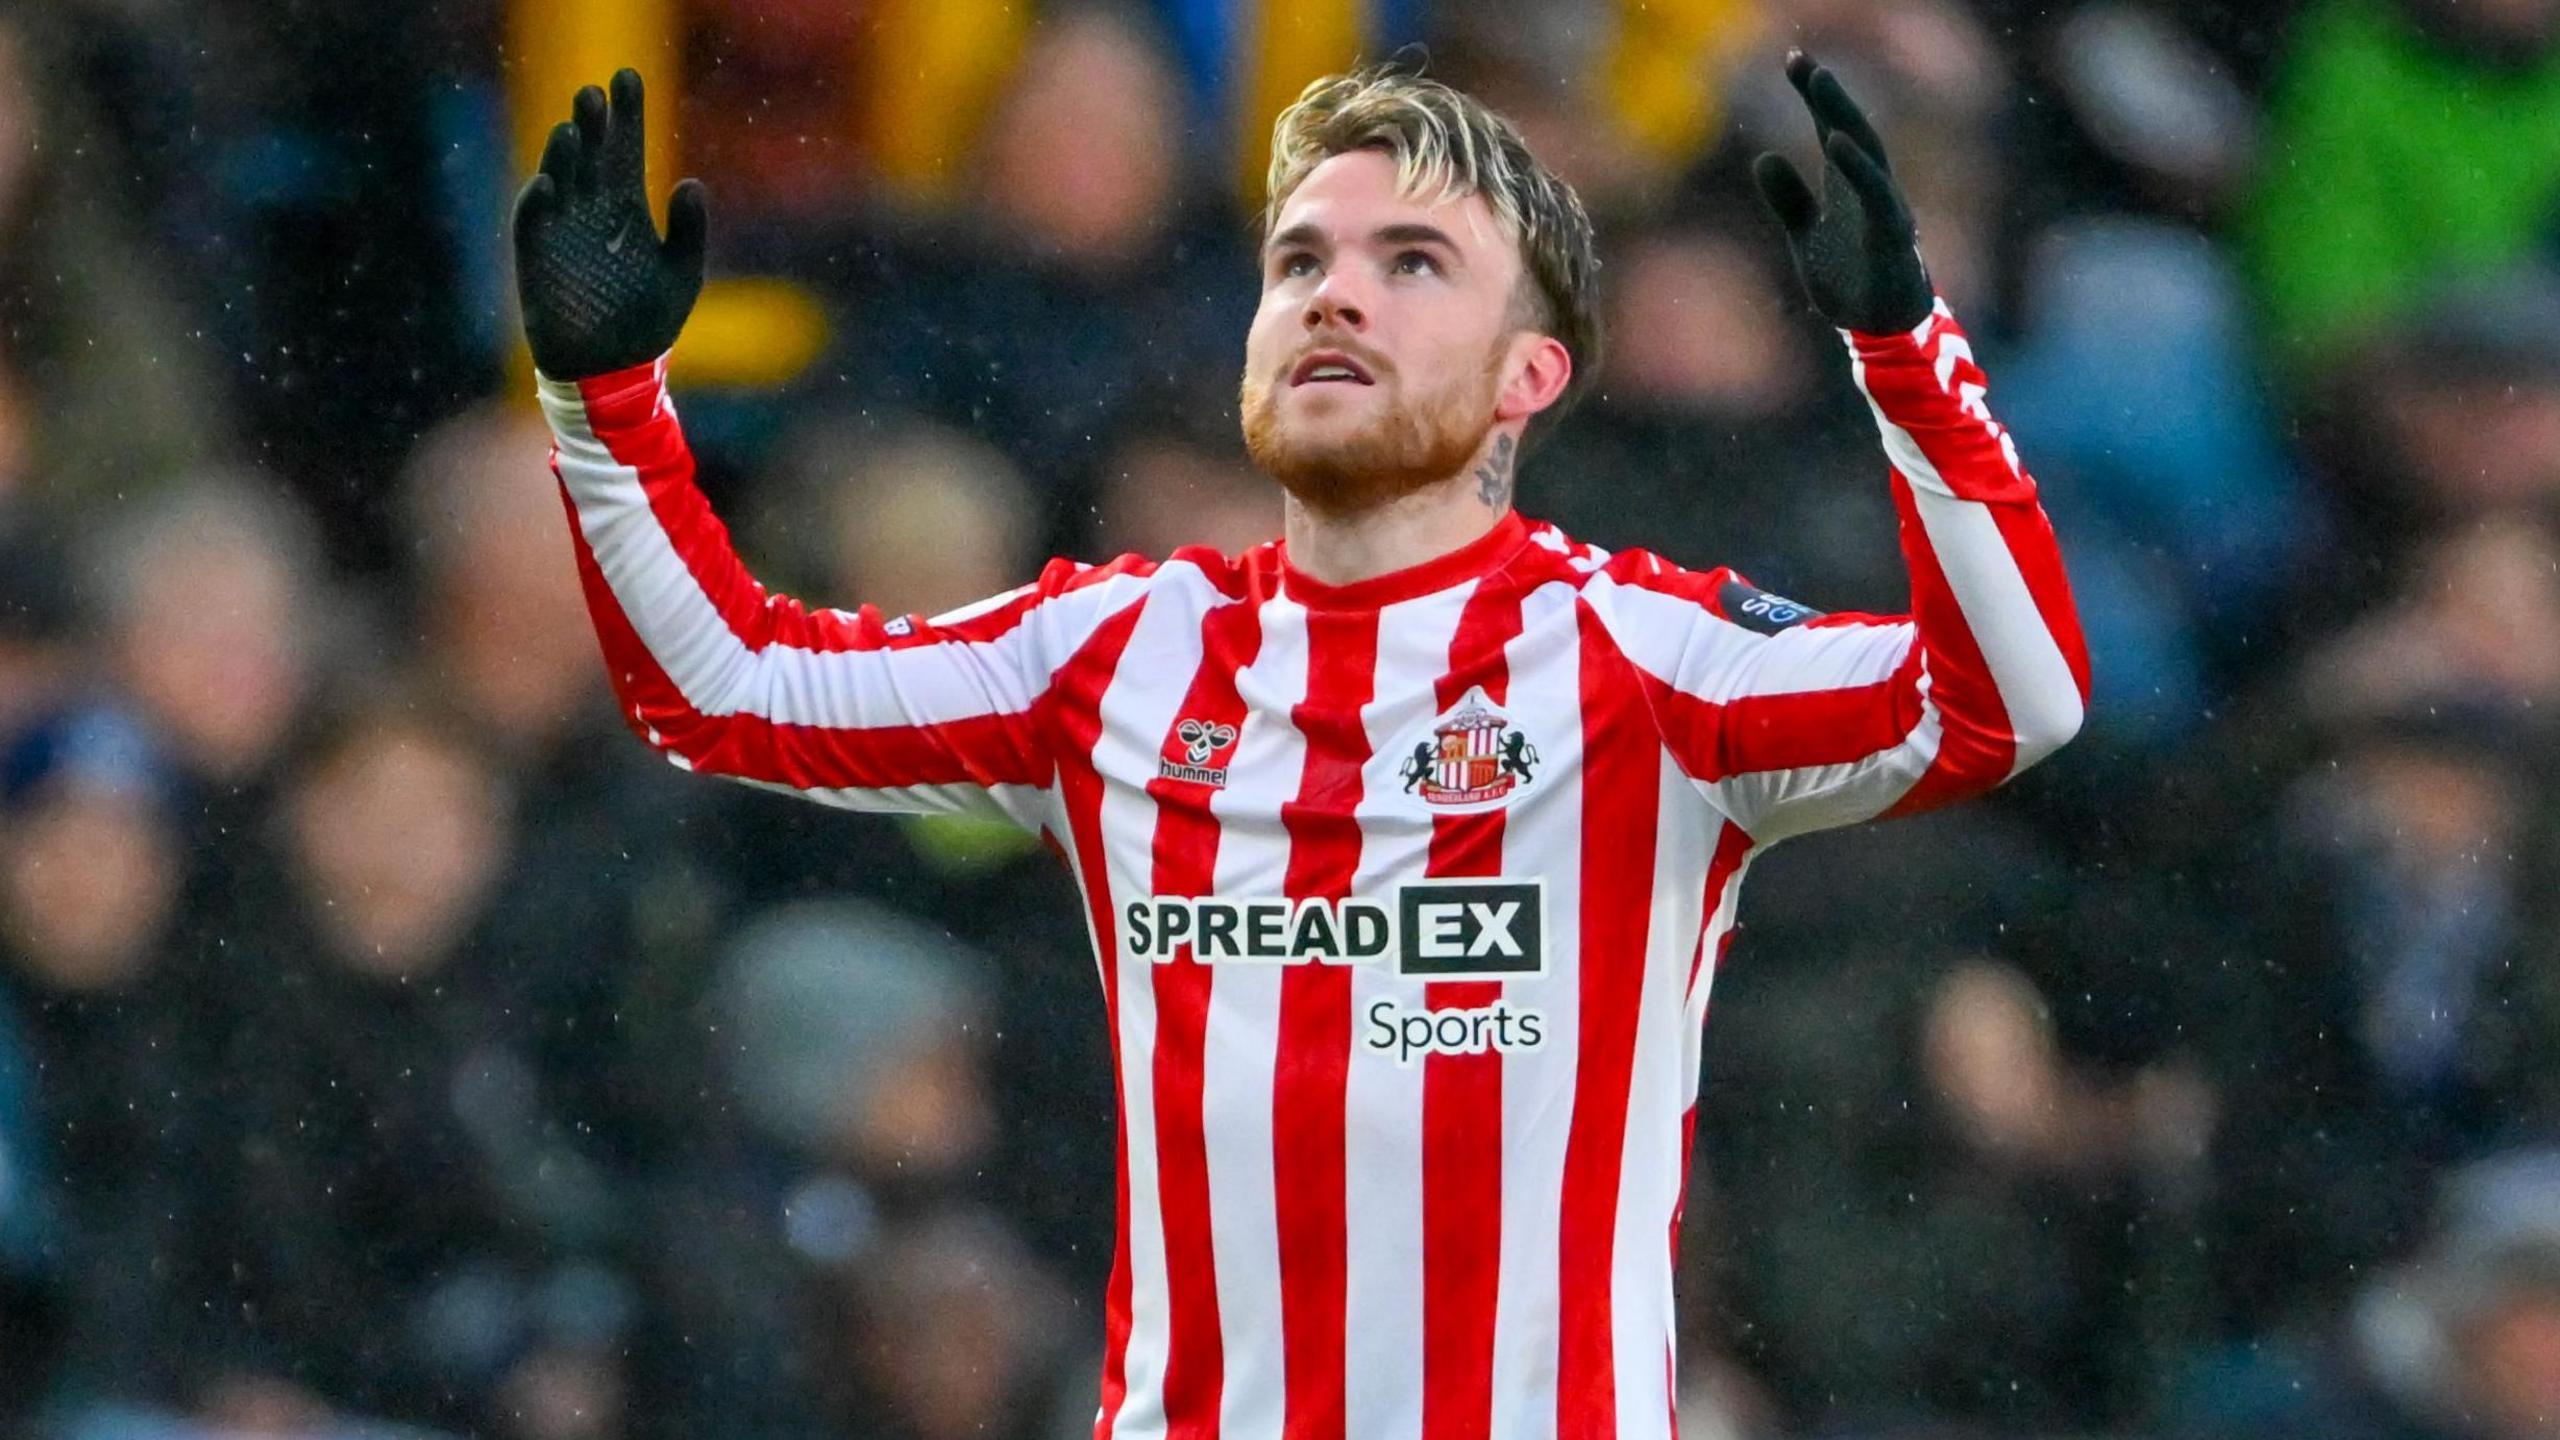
column 2130, row 108
column 1938, row 1196
column 90, row 871
column 1986, row 1245
column 1995, row 1066
column 1081, row 280
column 507, row 638
column 106, row 392
column 502, row 639
column 2385, row 1018
column 2462, row 1342
column 2178, row 446
column 2455, row 414
column 2476, row 621
column 1700, row 328
column 1079, row 163
column 854, row 1040
column 950, row 1330
column 853, row 1044
column 2408, row 142
column 405, row 1203
column 916, row 519
column 209, row 600
column 1170, row 484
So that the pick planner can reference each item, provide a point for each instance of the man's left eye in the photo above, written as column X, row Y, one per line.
column 1414, row 262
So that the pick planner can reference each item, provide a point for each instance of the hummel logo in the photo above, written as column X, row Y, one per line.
column 1204, row 740
column 1201, row 742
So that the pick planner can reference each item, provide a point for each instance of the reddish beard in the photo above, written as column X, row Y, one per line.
column 1404, row 450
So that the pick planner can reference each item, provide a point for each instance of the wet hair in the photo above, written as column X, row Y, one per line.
column 1446, row 143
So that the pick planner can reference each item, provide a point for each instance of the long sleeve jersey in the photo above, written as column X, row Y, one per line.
column 1405, row 895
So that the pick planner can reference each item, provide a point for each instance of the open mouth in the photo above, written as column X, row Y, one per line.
column 1329, row 367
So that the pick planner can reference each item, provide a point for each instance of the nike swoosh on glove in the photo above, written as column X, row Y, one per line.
column 600, row 290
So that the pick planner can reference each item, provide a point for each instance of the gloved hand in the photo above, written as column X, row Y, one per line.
column 1855, row 248
column 600, row 291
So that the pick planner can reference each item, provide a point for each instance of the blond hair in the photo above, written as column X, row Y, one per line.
column 1445, row 144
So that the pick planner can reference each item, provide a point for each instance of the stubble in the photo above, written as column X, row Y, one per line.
column 1408, row 448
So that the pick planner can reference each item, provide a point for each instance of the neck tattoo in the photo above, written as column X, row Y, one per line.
column 1493, row 477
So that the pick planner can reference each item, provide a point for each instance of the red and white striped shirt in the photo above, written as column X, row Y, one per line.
column 1405, row 894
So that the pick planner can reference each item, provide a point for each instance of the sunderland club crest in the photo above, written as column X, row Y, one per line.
column 1474, row 757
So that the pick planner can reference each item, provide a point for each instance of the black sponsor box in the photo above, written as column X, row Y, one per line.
column 1470, row 929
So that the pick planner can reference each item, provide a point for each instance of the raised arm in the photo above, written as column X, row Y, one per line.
column 854, row 708
column 1791, row 720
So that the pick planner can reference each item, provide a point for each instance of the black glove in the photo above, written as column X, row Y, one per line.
column 1855, row 248
column 600, row 291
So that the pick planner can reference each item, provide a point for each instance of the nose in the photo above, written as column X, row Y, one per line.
column 1335, row 304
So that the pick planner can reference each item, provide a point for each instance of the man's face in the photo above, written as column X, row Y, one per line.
column 1387, row 341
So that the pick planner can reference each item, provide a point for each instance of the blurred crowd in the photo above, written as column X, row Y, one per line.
column 391, row 1046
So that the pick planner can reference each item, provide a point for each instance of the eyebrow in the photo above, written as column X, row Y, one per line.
column 1301, row 233
column 1407, row 233
column 1414, row 234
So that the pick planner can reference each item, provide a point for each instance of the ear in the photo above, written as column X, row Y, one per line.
column 1534, row 375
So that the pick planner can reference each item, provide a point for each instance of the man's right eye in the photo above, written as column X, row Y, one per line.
column 1295, row 264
